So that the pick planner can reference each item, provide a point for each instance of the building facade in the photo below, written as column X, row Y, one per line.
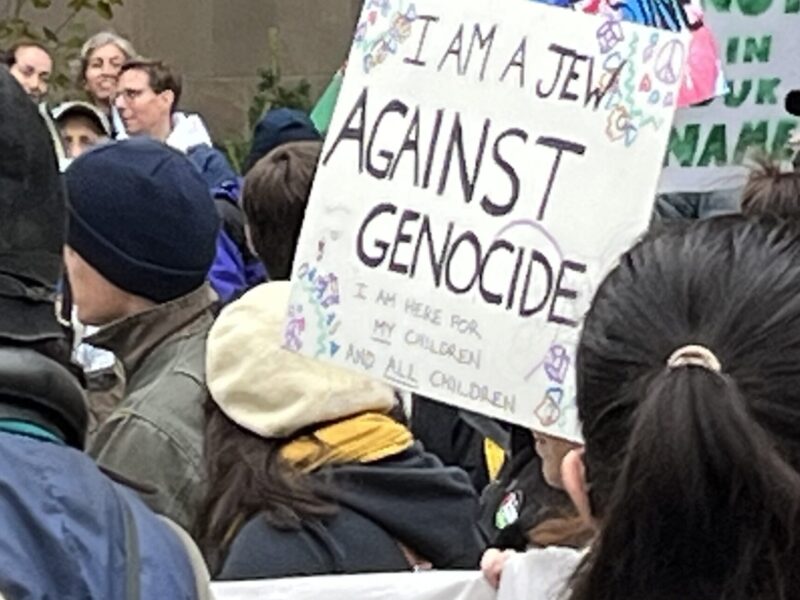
column 219, row 46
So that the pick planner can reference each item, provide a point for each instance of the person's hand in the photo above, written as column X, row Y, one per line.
column 492, row 564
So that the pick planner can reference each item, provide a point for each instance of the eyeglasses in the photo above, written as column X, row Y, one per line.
column 130, row 95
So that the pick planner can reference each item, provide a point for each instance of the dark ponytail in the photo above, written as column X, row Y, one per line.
column 703, row 502
column 695, row 488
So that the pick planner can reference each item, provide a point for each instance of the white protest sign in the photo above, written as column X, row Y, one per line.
column 539, row 574
column 487, row 163
column 710, row 145
column 432, row 585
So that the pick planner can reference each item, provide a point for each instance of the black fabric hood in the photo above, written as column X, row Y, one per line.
column 32, row 219
column 426, row 506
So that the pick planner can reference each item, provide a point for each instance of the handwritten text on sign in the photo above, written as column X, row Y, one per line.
column 487, row 163
column 712, row 144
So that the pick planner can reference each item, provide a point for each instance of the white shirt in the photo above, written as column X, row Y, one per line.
column 187, row 131
column 539, row 574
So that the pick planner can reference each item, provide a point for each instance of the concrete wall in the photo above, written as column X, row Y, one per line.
column 219, row 45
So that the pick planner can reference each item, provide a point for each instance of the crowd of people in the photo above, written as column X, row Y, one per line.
column 155, row 434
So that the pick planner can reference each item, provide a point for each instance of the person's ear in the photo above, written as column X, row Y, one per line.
column 573, row 474
column 168, row 98
column 248, row 236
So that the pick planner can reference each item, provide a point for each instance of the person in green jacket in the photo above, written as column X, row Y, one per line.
column 141, row 238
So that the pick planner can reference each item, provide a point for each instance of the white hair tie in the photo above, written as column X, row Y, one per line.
column 694, row 355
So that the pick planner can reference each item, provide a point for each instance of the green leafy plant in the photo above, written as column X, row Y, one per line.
column 271, row 92
column 64, row 40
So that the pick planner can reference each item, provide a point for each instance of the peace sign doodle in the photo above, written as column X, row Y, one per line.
column 669, row 62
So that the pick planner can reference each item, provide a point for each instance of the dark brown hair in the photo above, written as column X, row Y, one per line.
column 10, row 55
column 770, row 190
column 160, row 77
column 567, row 529
column 692, row 471
column 247, row 477
column 276, row 192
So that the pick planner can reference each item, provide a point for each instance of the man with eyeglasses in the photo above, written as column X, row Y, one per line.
column 147, row 99
column 148, row 93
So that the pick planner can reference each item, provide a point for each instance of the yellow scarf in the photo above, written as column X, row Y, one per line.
column 365, row 438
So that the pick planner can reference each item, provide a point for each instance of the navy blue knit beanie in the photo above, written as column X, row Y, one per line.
column 141, row 214
column 277, row 127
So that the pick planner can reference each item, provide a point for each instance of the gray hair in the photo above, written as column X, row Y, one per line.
column 104, row 38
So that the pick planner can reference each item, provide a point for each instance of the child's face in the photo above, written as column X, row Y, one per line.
column 552, row 452
column 79, row 134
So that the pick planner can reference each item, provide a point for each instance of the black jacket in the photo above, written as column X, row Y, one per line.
column 520, row 500
column 409, row 498
column 457, row 436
